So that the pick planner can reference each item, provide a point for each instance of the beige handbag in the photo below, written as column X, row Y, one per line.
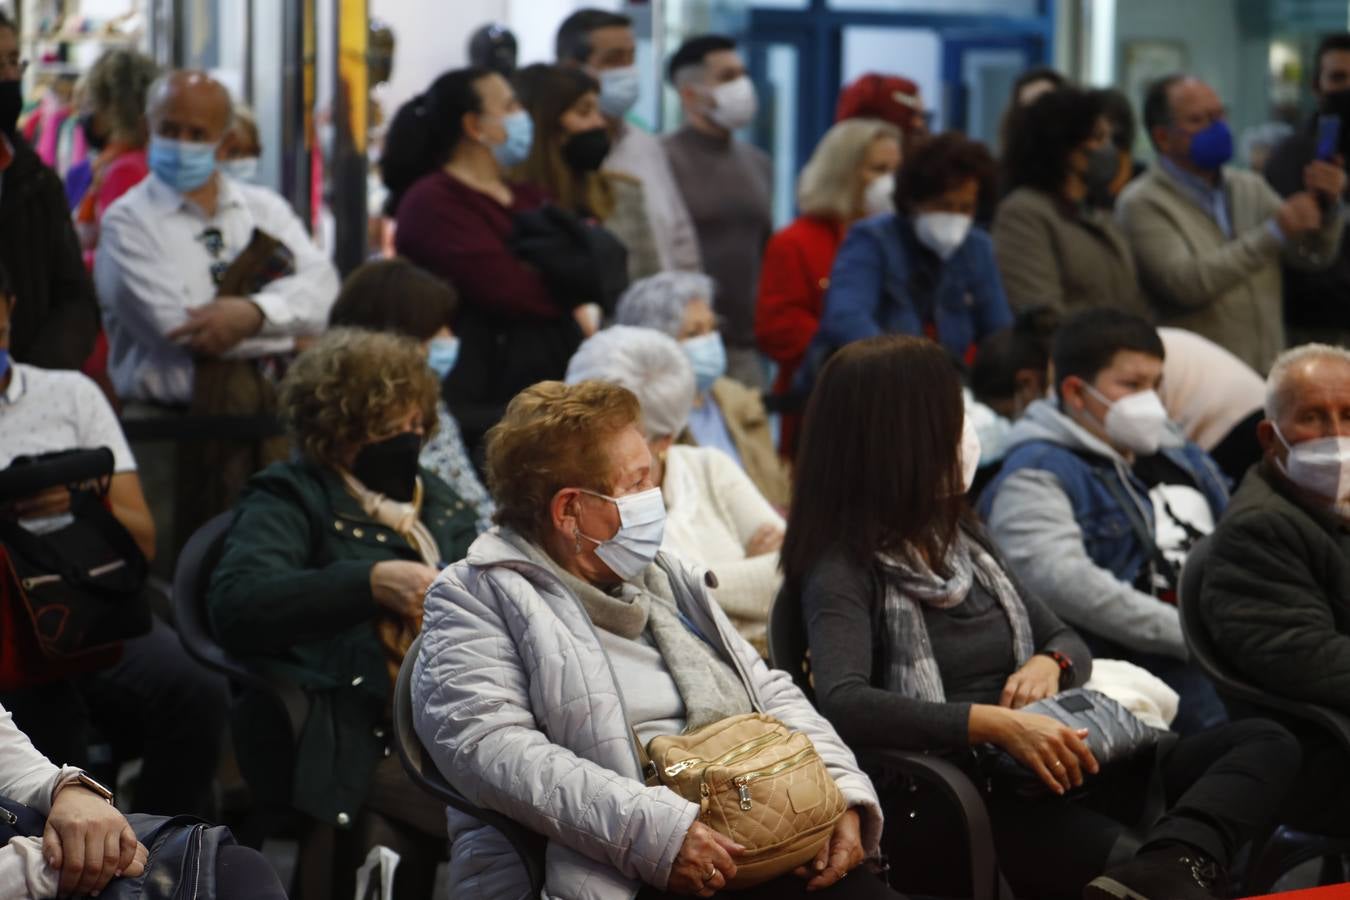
column 759, row 783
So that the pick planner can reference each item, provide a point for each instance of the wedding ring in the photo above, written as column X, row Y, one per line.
column 1058, row 764
column 712, row 873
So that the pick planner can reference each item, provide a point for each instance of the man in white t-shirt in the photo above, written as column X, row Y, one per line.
column 155, row 702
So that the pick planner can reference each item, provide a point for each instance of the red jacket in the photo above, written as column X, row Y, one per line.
column 792, row 286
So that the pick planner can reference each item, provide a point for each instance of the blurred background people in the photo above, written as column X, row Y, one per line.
column 241, row 151
column 1054, row 246
column 493, row 47
column 321, row 581
column 571, row 144
column 1026, row 87
column 726, row 414
column 715, row 516
column 851, row 175
column 891, row 98
column 727, row 185
column 602, row 44
column 1208, row 238
column 923, row 269
column 1124, row 131
column 1313, row 310
column 395, row 296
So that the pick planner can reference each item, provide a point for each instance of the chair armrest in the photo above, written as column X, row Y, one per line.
column 986, row 881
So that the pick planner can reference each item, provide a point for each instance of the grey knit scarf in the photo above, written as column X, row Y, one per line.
column 710, row 688
column 912, row 670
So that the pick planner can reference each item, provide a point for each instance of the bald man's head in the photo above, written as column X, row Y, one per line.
column 189, row 105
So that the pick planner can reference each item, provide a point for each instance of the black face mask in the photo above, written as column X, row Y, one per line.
column 389, row 466
column 11, row 104
column 586, row 151
column 95, row 140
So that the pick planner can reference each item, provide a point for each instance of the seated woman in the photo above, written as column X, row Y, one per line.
column 570, row 144
column 321, row 581
column 884, row 555
column 726, row 414
column 560, row 637
column 922, row 270
column 715, row 518
column 396, row 296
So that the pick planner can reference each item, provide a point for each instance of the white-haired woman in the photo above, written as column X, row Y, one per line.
column 850, row 175
column 726, row 414
column 715, row 517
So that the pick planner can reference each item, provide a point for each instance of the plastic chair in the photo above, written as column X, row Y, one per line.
column 788, row 651
column 1284, row 848
column 529, row 845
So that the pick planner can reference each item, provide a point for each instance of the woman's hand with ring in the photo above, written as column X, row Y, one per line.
column 705, row 862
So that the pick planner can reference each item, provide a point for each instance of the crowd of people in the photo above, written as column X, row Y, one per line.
column 972, row 418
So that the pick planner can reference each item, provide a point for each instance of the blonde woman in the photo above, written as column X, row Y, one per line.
column 851, row 175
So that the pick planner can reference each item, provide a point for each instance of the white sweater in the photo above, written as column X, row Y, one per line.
column 712, row 510
column 28, row 778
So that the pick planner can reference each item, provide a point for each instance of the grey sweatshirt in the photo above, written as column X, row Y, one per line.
column 1033, row 523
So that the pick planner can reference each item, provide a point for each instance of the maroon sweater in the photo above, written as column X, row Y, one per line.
column 461, row 234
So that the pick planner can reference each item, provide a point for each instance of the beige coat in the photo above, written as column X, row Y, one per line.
column 748, row 424
column 630, row 224
column 1228, row 290
column 1068, row 260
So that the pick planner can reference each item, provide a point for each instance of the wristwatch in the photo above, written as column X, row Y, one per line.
column 88, row 782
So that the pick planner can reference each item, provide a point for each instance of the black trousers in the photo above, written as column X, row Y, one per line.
column 156, row 703
column 1220, row 788
column 859, row 884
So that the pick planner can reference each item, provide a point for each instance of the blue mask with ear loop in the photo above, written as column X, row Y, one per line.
column 442, row 354
column 1212, row 147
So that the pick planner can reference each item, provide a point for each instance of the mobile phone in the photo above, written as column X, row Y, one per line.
column 1328, row 136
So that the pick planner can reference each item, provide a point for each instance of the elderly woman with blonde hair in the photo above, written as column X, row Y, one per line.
column 321, row 581
column 851, row 175
column 716, row 519
column 725, row 414
column 566, row 645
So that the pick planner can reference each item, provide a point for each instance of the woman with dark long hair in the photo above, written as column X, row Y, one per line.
column 571, row 142
column 885, row 558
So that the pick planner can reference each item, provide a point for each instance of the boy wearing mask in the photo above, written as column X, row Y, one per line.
column 1100, row 499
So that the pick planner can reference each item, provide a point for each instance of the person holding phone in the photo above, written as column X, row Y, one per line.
column 1315, row 310
column 1208, row 239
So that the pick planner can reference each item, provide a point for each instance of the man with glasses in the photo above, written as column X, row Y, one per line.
column 56, row 317
column 1208, row 240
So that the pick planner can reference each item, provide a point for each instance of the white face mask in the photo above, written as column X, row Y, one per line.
column 942, row 232
column 243, row 168
column 734, row 103
column 642, row 524
column 970, row 454
column 877, row 196
column 1321, row 467
column 1136, row 422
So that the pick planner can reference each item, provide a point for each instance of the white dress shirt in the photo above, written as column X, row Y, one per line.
column 153, row 265
column 639, row 155
column 27, row 777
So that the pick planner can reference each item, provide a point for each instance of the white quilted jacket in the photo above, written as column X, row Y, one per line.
column 516, row 701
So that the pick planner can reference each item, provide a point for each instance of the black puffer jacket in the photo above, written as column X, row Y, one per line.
column 56, row 317
column 1276, row 593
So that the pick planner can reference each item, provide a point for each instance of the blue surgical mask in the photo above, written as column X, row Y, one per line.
column 4, row 363
column 442, row 355
column 519, row 136
column 1212, row 147
column 182, row 165
column 245, row 168
column 619, row 89
column 708, row 357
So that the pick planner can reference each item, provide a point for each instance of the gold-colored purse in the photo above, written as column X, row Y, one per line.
column 759, row 783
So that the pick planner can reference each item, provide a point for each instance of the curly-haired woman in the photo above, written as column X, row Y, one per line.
column 1053, row 245
column 321, row 581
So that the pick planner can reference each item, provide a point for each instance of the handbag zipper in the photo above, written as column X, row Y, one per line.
column 735, row 753
column 742, row 782
column 95, row 572
column 8, row 817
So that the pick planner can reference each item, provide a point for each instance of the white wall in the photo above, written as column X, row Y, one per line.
column 430, row 41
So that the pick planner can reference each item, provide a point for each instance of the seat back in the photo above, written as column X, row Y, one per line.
column 529, row 845
column 1231, row 685
column 788, row 643
column 191, row 578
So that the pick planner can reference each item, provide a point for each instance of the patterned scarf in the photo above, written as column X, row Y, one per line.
column 912, row 670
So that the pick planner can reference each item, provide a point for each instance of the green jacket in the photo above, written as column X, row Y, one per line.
column 291, row 594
